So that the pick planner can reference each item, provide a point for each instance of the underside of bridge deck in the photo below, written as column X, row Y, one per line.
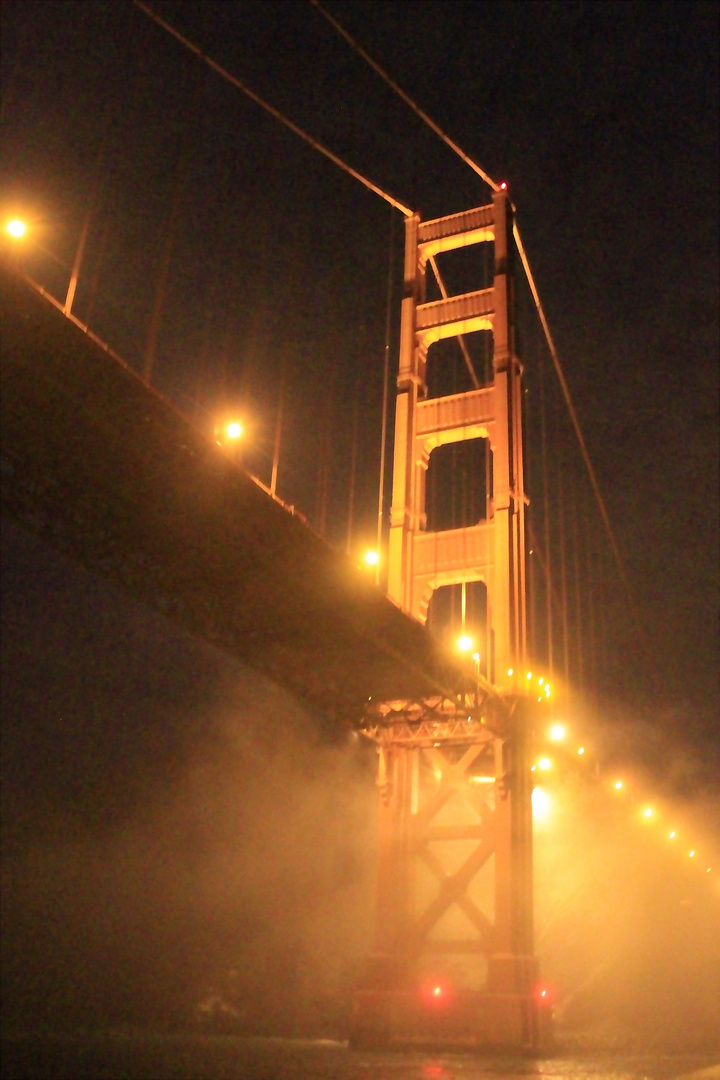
column 108, row 471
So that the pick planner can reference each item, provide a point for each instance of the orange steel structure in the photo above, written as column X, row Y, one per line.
column 453, row 956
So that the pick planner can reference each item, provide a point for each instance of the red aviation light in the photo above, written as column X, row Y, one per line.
column 543, row 995
column 503, row 186
column 435, row 993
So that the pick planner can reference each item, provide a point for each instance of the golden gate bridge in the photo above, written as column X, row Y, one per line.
column 125, row 483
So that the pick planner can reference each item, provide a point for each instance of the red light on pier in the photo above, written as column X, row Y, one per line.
column 543, row 994
column 435, row 993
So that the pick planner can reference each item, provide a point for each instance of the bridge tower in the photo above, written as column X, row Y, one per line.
column 453, row 956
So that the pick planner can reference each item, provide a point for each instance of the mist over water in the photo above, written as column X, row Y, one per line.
column 627, row 926
column 171, row 820
column 176, row 827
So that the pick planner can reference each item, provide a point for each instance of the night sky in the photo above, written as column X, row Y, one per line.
column 223, row 255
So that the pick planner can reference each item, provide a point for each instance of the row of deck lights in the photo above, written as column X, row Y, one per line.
column 542, row 683
column 650, row 814
column 557, row 733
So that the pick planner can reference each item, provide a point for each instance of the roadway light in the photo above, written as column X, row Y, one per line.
column 544, row 763
column 465, row 643
column 581, row 750
column 647, row 812
column 371, row 558
column 511, row 671
column 618, row 784
column 541, row 804
column 557, row 732
column 16, row 228
column 672, row 835
column 228, row 431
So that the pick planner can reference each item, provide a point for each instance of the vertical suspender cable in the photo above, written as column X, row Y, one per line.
column 385, row 401
column 592, row 668
column 353, row 469
column 563, row 574
column 579, row 635
column 546, row 520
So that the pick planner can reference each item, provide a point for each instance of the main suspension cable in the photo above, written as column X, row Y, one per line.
column 570, row 405
column 531, row 281
column 461, row 340
column 240, row 85
column 406, row 97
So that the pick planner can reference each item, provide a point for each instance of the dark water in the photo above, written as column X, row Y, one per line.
column 133, row 1056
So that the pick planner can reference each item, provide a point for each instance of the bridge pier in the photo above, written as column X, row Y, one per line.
column 453, row 960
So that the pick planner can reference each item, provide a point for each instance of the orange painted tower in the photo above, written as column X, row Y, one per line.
column 453, row 958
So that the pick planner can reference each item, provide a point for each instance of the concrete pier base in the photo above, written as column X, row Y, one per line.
column 481, row 1019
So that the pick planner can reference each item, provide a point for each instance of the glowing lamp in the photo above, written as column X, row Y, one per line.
column 544, row 763
column 371, row 558
column 435, row 993
column 557, row 732
column 464, row 643
column 618, row 785
column 234, row 430
column 16, row 228
column 647, row 812
column 540, row 805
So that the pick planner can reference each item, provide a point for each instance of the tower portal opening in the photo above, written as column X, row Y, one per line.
column 445, row 618
column 458, row 482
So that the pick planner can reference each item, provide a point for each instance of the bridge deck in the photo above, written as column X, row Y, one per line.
column 108, row 471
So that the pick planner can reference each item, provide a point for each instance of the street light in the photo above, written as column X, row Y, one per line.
column 228, row 432
column 16, row 228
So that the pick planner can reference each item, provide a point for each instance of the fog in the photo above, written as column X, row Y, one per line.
column 169, row 817
column 627, row 921
column 175, row 826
